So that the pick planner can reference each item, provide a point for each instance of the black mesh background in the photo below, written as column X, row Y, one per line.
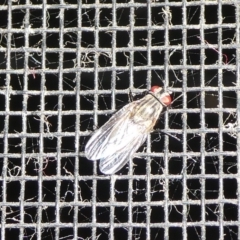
column 67, row 66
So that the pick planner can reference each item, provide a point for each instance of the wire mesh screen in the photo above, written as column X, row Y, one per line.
column 67, row 67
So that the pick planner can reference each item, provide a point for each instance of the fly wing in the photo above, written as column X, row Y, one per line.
column 113, row 135
column 115, row 162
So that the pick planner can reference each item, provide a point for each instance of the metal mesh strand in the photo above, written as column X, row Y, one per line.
column 66, row 67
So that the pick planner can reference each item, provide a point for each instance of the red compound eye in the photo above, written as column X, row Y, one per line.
column 166, row 99
column 154, row 88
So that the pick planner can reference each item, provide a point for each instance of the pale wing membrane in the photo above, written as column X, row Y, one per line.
column 115, row 162
column 106, row 140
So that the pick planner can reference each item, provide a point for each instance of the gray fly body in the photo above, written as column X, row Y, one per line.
column 121, row 136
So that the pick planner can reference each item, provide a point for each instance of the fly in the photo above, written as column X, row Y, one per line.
column 121, row 136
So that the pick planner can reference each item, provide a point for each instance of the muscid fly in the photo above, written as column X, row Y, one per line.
column 121, row 136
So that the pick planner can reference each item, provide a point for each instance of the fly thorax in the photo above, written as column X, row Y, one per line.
column 149, row 109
